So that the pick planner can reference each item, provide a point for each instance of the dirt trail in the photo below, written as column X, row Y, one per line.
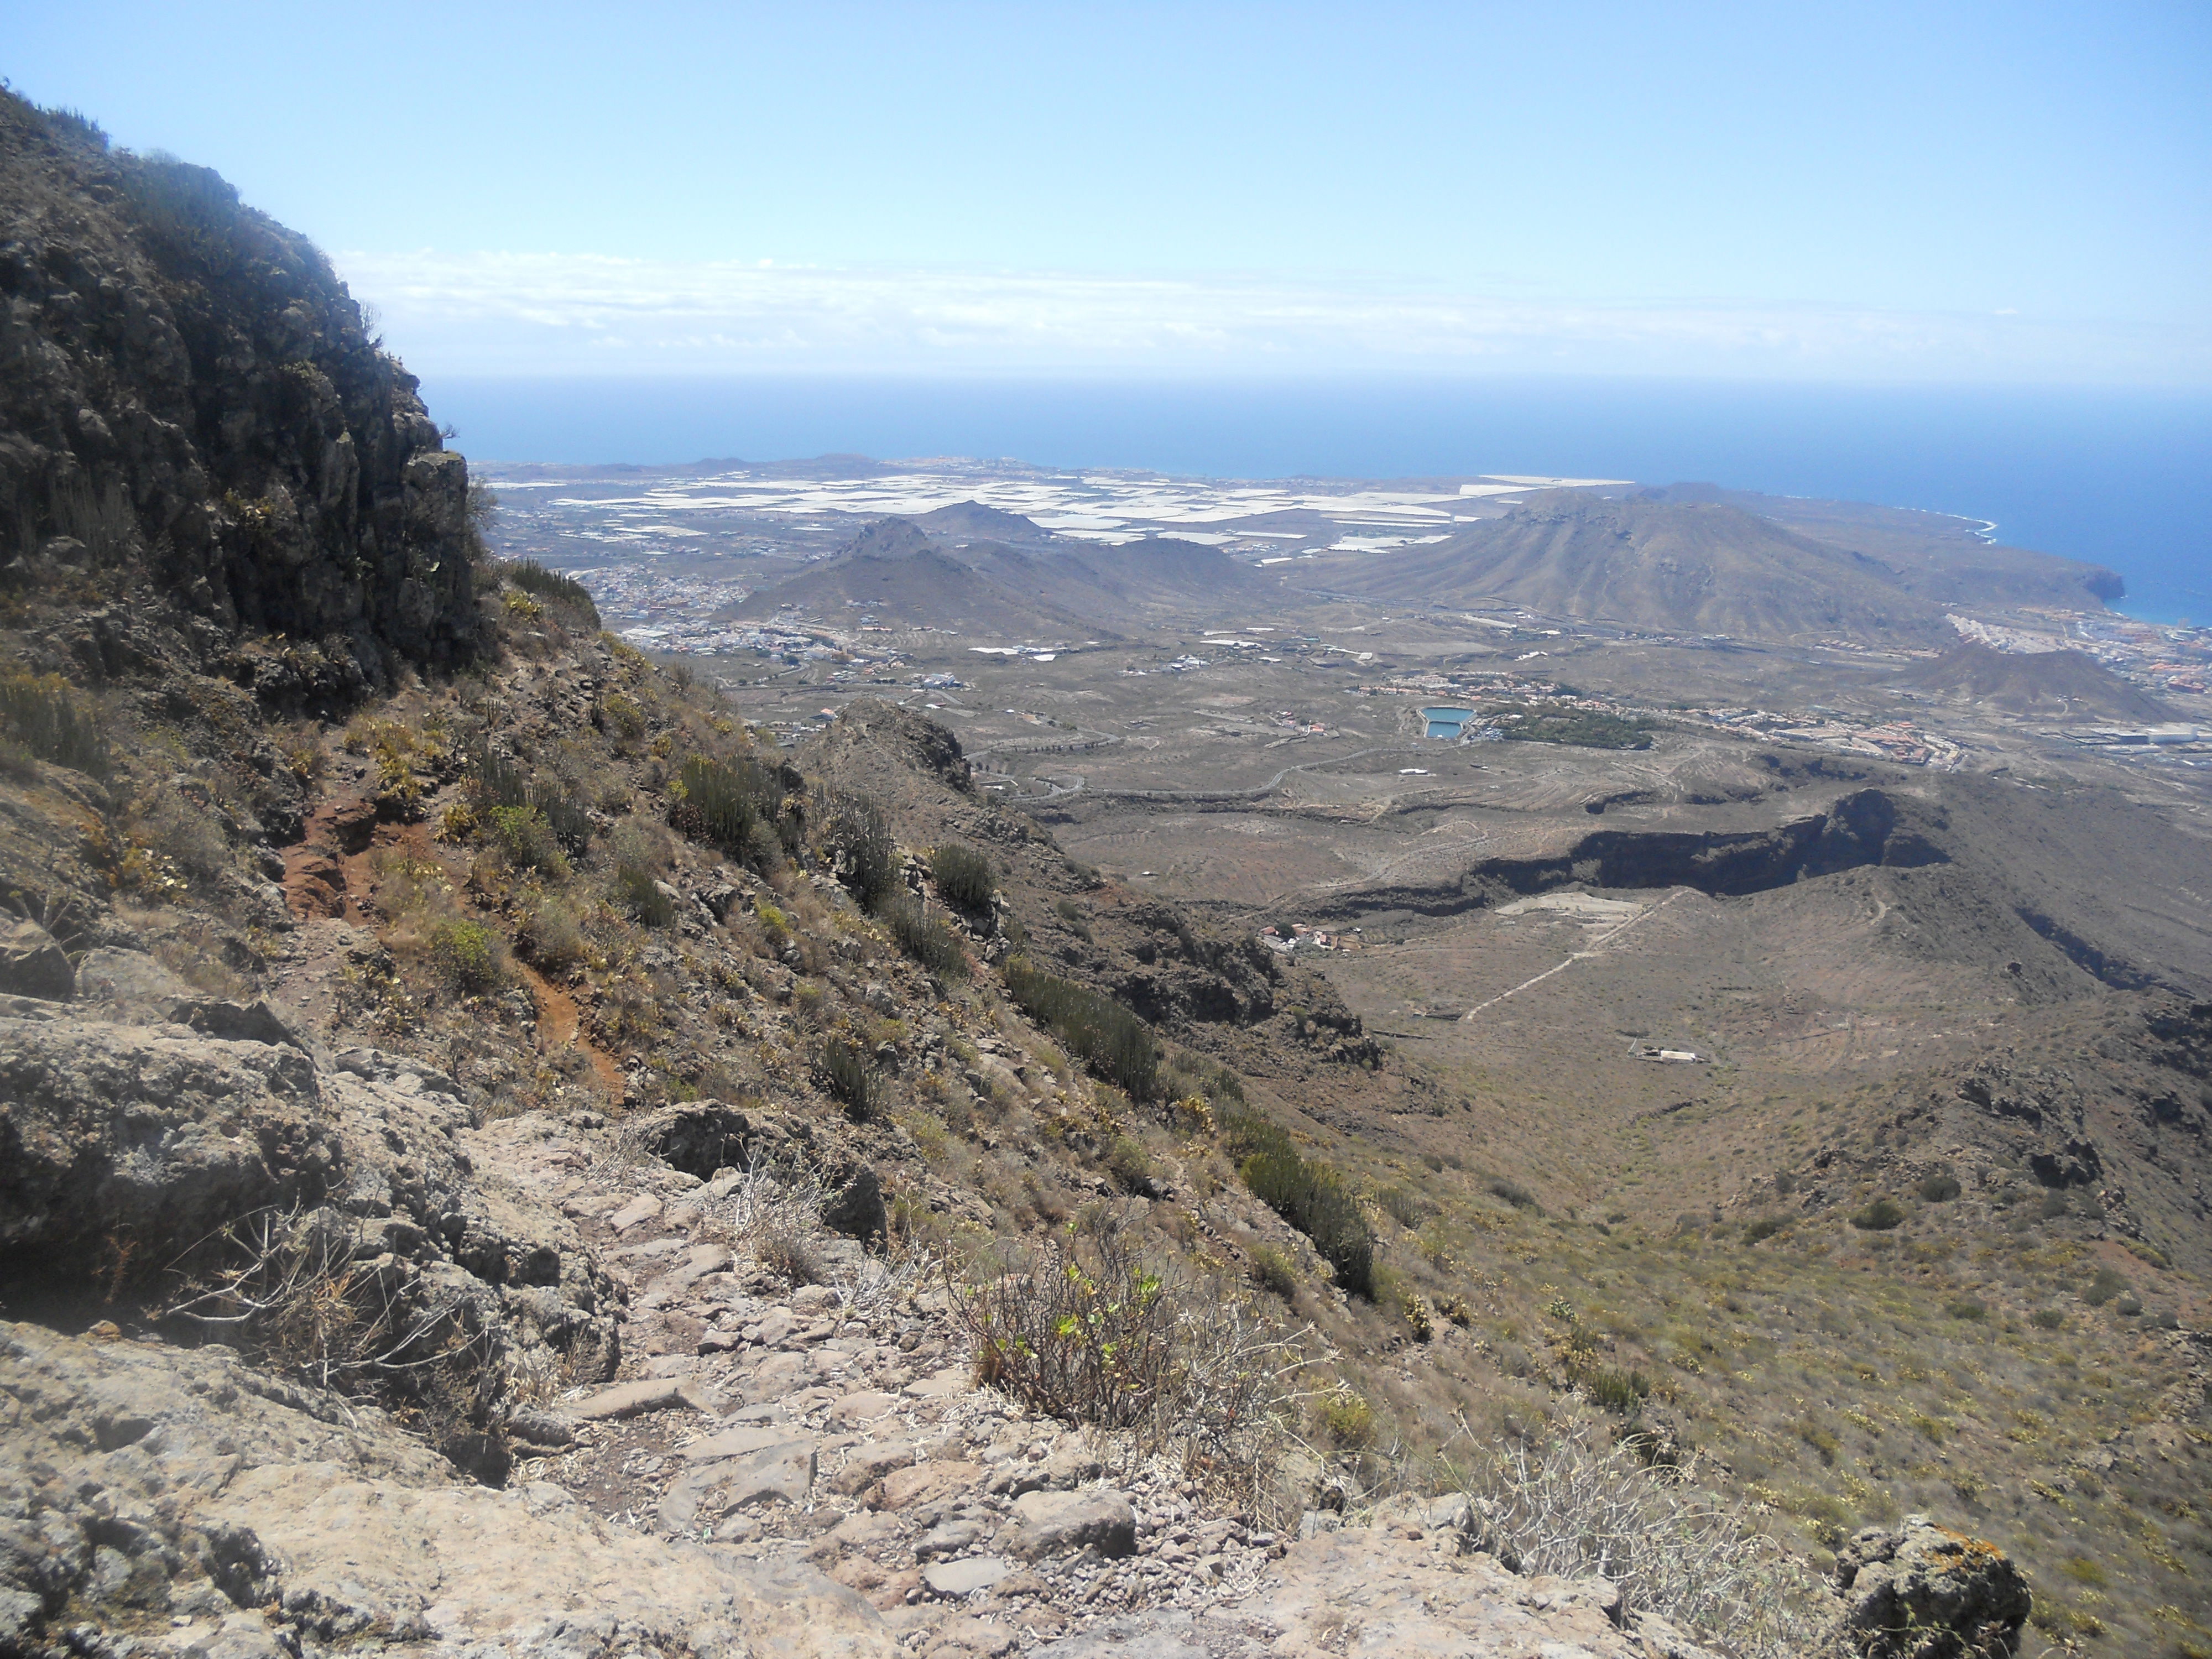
column 560, row 1026
column 333, row 874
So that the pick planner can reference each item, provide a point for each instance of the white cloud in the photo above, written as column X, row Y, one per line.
column 504, row 314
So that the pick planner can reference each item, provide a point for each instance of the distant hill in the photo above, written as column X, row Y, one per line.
column 1936, row 556
column 970, row 520
column 2066, row 684
column 1676, row 566
column 897, row 571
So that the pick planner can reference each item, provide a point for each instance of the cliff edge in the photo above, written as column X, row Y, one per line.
column 188, row 390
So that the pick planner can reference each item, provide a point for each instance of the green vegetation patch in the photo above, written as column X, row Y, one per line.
column 1581, row 728
column 535, row 578
column 1117, row 1046
column 848, row 1077
column 856, row 837
column 963, row 876
column 1879, row 1216
column 465, row 955
column 638, row 892
column 496, row 784
column 43, row 714
column 924, row 939
column 1309, row 1195
column 2105, row 1286
column 737, row 807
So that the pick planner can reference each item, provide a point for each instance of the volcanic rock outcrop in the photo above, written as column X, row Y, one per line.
column 187, row 386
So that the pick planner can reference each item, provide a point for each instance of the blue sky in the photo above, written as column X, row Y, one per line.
column 1926, row 192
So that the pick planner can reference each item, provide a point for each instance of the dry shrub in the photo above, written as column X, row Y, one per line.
column 554, row 936
column 301, row 1294
column 776, row 1221
column 1674, row 1550
column 1092, row 1330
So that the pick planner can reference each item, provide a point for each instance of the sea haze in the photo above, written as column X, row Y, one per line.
column 2118, row 477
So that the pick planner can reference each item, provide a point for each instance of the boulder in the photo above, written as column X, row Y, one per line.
column 127, row 1147
column 128, row 1132
column 699, row 1138
column 852, row 1202
column 1922, row 1591
column 33, row 964
column 1053, row 1522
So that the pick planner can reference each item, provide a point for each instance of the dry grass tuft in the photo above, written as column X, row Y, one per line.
column 1674, row 1550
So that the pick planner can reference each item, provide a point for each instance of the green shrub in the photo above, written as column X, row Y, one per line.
column 525, row 840
column 465, row 955
column 498, row 784
column 639, row 894
column 1622, row 1392
column 570, row 824
column 1130, row 1165
column 846, row 1075
column 927, row 940
column 552, row 936
column 1117, row 1046
column 1516, row 1194
column 532, row 577
column 1310, row 1196
column 1073, row 914
column 43, row 713
column 1939, row 1188
column 1345, row 1419
column 620, row 715
column 2047, row 1319
column 2105, row 1286
column 1968, row 1308
column 2055, row 1205
column 1272, row 1271
column 1090, row 1329
column 1821, row 1440
column 963, row 876
column 1879, row 1216
column 1762, row 1229
column 1402, row 1207
column 1184, row 1074
column 857, row 839
column 737, row 807
column 496, row 781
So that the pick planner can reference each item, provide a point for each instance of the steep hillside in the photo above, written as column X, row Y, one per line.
column 1681, row 567
column 187, row 389
column 497, row 1155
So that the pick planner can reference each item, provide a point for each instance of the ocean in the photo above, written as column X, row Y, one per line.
column 2116, row 477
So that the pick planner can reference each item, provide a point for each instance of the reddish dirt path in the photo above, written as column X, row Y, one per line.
column 561, row 1026
column 333, row 872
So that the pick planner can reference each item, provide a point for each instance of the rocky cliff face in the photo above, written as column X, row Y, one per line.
column 186, row 387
